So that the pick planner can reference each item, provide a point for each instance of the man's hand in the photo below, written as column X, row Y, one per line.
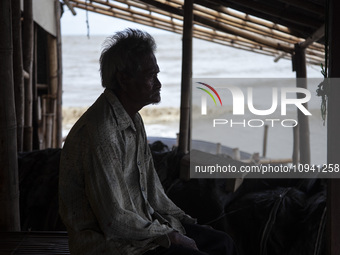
column 179, row 239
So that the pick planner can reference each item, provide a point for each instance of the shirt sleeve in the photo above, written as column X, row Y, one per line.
column 161, row 203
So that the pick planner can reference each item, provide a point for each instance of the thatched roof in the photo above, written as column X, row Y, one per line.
column 268, row 27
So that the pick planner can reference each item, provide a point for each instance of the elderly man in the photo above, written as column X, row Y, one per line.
column 111, row 199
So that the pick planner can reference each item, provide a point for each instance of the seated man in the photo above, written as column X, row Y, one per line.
column 111, row 199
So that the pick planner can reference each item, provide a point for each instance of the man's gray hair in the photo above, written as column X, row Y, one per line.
column 122, row 52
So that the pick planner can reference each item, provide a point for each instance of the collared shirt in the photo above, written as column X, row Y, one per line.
column 111, row 199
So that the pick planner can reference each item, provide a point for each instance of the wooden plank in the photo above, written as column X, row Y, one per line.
column 50, row 243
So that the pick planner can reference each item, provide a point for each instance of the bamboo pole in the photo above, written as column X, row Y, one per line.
column 245, row 25
column 246, row 17
column 231, row 29
column 9, row 186
column 333, row 135
column 245, row 34
column 53, row 81
column 59, row 117
column 303, row 122
column 35, row 114
column 19, row 91
column 28, row 65
column 184, row 127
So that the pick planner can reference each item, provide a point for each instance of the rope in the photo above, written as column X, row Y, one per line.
column 87, row 20
column 270, row 222
column 321, row 229
column 323, row 87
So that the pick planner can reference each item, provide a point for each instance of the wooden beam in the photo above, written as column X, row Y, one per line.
column 301, row 20
column 19, row 90
column 144, row 19
column 53, row 83
column 28, row 66
column 35, row 106
column 184, row 128
column 69, row 5
column 306, row 6
column 9, row 185
column 59, row 127
column 301, row 82
column 317, row 35
column 333, row 134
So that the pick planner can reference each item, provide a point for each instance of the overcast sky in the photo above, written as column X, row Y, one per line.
column 98, row 24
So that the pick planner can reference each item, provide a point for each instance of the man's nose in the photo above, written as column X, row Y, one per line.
column 158, row 84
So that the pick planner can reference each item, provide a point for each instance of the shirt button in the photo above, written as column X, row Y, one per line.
column 138, row 163
column 143, row 189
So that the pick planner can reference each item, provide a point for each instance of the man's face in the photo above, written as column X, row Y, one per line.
column 144, row 88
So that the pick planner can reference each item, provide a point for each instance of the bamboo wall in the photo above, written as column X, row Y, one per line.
column 30, row 97
column 42, row 104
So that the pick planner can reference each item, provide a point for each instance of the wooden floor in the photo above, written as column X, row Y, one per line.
column 48, row 243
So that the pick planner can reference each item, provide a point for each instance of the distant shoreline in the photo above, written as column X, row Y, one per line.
column 150, row 115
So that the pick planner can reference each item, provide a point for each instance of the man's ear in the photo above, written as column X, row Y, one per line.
column 121, row 77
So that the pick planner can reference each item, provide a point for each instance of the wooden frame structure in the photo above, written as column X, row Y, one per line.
column 215, row 21
column 278, row 28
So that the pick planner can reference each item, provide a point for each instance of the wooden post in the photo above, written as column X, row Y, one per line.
column 19, row 91
column 28, row 66
column 184, row 128
column 265, row 136
column 53, row 83
column 333, row 134
column 59, row 127
column 301, row 81
column 9, row 188
column 295, row 155
column 35, row 113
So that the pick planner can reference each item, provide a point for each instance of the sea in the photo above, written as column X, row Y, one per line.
column 81, row 87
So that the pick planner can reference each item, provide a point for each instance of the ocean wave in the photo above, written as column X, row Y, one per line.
column 150, row 115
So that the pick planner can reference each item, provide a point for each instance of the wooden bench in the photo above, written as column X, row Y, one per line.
column 48, row 243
